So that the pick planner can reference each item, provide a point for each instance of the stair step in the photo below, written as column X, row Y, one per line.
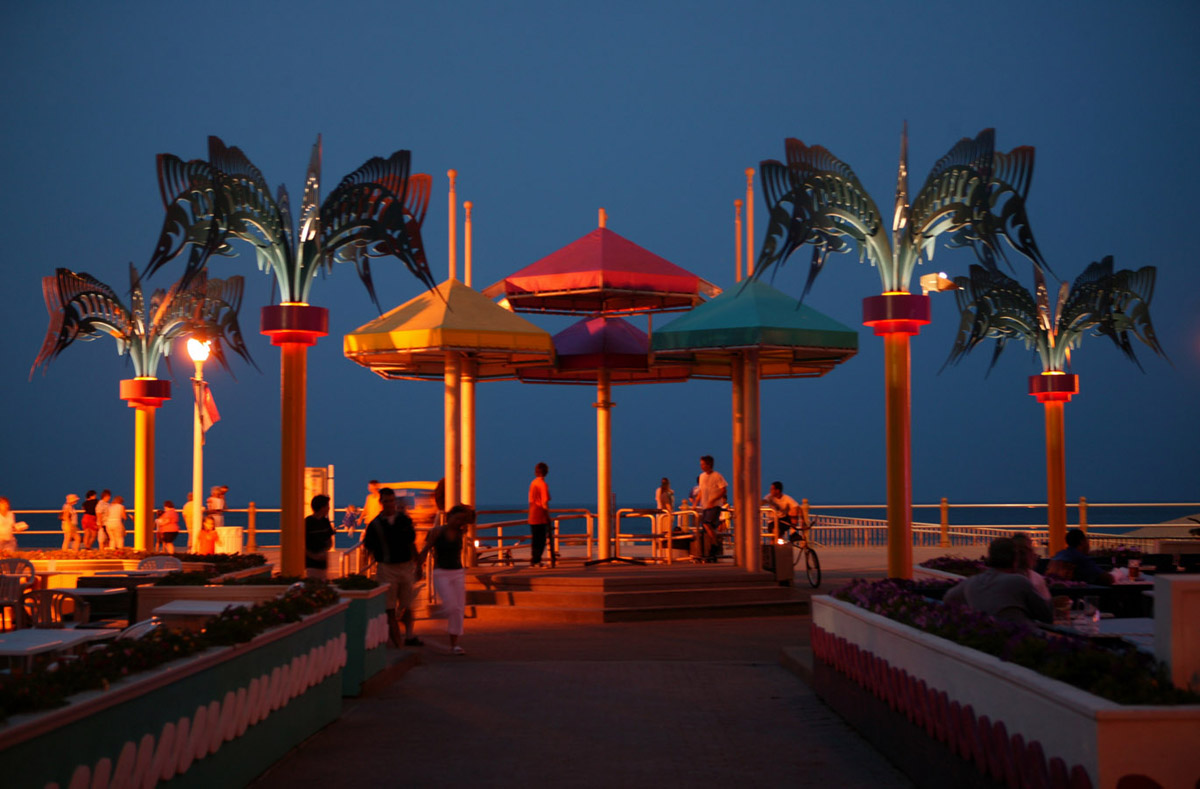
column 632, row 598
column 529, row 614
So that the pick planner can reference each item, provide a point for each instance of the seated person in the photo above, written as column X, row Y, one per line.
column 787, row 507
column 1001, row 590
column 1073, row 563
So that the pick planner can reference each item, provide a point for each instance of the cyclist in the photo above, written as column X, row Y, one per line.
column 788, row 509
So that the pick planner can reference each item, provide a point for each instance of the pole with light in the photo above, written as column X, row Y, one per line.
column 198, row 350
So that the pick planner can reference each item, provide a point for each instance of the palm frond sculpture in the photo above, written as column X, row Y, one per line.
column 82, row 307
column 1113, row 304
column 974, row 194
column 376, row 211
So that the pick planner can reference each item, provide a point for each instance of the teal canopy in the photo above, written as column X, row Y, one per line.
column 795, row 341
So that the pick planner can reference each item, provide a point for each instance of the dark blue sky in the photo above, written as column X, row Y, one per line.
column 548, row 111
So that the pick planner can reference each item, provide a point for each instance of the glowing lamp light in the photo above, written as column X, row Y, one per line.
column 780, row 541
column 198, row 350
column 936, row 283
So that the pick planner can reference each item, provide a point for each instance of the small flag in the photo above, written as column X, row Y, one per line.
column 209, row 415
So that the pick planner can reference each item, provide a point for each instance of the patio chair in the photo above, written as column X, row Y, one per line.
column 19, row 577
column 161, row 562
column 49, row 608
column 140, row 630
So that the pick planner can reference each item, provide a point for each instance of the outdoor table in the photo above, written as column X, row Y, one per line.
column 110, row 602
column 31, row 642
column 192, row 614
column 135, row 573
column 130, row 583
column 1138, row 631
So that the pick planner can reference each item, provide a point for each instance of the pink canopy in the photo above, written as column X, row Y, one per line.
column 602, row 272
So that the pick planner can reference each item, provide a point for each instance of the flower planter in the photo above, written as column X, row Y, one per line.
column 151, row 597
column 366, row 637
column 69, row 569
column 1017, row 725
column 218, row 718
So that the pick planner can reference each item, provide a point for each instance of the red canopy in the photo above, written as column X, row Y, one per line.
column 602, row 272
column 584, row 348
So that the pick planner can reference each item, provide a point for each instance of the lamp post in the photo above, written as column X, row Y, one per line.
column 199, row 352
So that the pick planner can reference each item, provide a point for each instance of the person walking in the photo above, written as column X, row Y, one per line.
column 449, row 577
column 168, row 526
column 539, row 513
column 89, row 520
column 713, row 497
column 9, row 526
column 391, row 540
column 664, row 502
column 70, row 523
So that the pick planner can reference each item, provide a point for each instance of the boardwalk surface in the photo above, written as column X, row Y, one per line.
column 676, row 703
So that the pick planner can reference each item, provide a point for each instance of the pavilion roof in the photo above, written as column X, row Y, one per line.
column 794, row 340
column 602, row 272
column 601, row 342
column 411, row 340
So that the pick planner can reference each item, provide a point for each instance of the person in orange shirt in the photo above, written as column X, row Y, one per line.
column 539, row 512
column 206, row 540
column 168, row 526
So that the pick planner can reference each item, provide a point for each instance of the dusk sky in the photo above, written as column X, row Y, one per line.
column 653, row 111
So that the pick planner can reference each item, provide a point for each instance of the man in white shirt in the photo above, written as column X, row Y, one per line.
column 787, row 507
column 713, row 496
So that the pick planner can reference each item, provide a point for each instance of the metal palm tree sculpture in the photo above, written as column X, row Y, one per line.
column 375, row 211
column 974, row 195
column 1114, row 304
column 83, row 308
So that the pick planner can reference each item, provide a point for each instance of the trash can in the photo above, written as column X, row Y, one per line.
column 777, row 559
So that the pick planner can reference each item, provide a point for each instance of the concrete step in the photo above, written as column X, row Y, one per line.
column 639, row 598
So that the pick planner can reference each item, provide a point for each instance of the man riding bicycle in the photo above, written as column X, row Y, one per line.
column 788, row 514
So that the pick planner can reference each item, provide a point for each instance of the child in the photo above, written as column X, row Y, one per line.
column 70, row 523
column 350, row 520
column 168, row 526
column 207, row 539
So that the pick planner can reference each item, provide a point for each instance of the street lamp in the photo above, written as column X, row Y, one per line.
column 199, row 352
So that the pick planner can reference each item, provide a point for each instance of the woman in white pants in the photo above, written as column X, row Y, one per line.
column 449, row 577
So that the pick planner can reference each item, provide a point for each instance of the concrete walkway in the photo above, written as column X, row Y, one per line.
column 677, row 703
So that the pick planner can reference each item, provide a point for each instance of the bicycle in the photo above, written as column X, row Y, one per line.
column 803, row 551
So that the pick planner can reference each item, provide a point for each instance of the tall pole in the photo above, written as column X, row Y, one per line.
column 1054, row 390
column 453, row 225
column 737, row 378
column 467, row 494
column 293, row 328
column 896, row 317
column 144, row 395
column 737, row 238
column 604, row 406
column 197, row 462
column 749, row 221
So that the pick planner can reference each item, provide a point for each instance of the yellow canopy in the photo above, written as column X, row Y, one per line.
column 411, row 340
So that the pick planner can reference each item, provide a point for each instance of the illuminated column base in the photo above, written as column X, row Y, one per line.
column 146, row 395
column 1053, row 391
column 293, row 327
column 896, row 317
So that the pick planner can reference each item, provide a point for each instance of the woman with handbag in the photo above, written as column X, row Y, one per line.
column 449, row 577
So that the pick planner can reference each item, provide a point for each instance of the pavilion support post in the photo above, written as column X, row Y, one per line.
column 738, row 459
column 453, row 427
column 467, row 494
column 753, row 462
column 604, row 406
column 145, row 395
column 293, row 327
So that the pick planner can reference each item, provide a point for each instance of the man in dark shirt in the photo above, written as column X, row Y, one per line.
column 1001, row 590
column 1073, row 563
column 318, row 538
column 392, row 541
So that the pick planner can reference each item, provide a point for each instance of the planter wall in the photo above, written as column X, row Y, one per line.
column 214, row 719
column 1021, row 727
column 67, row 570
column 366, row 637
column 151, row 597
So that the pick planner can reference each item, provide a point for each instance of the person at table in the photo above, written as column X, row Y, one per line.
column 168, row 526
column 70, row 523
column 318, row 538
column 1027, row 561
column 449, row 577
column 391, row 540
column 788, row 509
column 1073, row 563
column 1002, row 589
column 9, row 525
